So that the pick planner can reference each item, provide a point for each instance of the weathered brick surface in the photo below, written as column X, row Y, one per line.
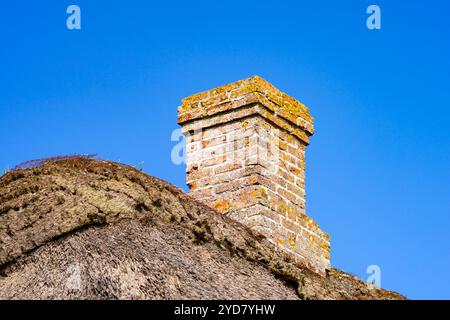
column 246, row 144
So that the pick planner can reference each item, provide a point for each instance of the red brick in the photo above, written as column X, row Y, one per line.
column 227, row 167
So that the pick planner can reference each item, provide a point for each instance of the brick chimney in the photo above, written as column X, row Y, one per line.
column 245, row 157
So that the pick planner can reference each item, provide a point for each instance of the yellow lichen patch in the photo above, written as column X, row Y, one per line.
column 282, row 208
column 263, row 192
column 292, row 242
column 303, row 164
column 291, row 213
column 325, row 246
column 254, row 193
column 281, row 242
column 281, row 145
column 222, row 205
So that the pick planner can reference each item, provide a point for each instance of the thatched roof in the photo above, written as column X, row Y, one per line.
column 86, row 229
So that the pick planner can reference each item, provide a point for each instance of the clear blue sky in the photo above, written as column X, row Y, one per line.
column 378, row 175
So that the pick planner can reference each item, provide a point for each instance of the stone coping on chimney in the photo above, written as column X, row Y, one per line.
column 249, row 109
column 241, row 93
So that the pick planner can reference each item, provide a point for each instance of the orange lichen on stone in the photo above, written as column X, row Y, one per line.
column 192, row 185
column 222, row 205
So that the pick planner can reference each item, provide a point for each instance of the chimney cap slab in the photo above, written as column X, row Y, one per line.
column 232, row 96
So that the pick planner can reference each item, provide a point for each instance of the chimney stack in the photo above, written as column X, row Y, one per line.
column 245, row 157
